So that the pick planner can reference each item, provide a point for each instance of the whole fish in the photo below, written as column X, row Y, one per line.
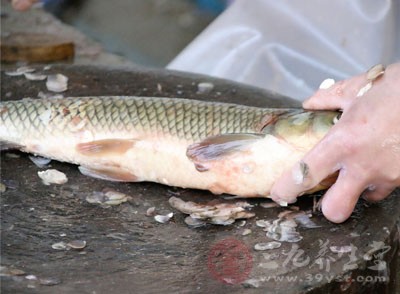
column 224, row 148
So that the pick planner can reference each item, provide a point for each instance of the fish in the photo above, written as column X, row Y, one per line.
column 221, row 147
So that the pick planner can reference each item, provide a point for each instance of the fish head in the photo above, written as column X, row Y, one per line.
column 302, row 128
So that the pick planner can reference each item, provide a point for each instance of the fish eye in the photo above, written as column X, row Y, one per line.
column 336, row 118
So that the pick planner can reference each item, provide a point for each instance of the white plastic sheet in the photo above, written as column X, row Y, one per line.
column 290, row 46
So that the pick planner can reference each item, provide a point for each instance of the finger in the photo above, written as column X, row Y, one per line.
column 317, row 165
column 339, row 201
column 377, row 194
column 338, row 96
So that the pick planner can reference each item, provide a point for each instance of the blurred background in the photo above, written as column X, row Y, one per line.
column 136, row 29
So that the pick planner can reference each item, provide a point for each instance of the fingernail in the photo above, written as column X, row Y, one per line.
column 285, row 202
column 326, row 84
column 300, row 174
column 282, row 203
column 278, row 200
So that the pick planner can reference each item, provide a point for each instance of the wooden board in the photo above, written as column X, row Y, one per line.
column 35, row 47
column 128, row 252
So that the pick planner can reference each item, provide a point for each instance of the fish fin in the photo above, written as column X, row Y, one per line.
column 329, row 180
column 7, row 145
column 324, row 184
column 108, row 173
column 105, row 147
column 219, row 146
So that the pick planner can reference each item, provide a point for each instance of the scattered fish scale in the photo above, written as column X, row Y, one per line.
column 57, row 83
column 341, row 249
column 205, row 87
column 35, row 77
column 7, row 271
column 107, row 197
column 76, row 244
column 283, row 231
column 246, row 232
column 52, row 176
column 20, row 71
column 59, row 246
column 267, row 246
column 269, row 204
column 305, row 221
column 193, row 222
column 215, row 213
column 40, row 161
column 150, row 211
column 163, row 218
column 50, row 281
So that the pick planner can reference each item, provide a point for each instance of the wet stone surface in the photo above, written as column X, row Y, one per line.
column 121, row 249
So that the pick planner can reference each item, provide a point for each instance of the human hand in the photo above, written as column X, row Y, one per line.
column 22, row 5
column 364, row 146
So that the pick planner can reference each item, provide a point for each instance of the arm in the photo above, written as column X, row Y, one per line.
column 22, row 5
column 364, row 146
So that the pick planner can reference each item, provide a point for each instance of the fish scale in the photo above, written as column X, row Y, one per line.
column 186, row 119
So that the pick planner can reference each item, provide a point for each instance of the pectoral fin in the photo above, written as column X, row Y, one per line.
column 108, row 173
column 105, row 147
column 219, row 146
column 325, row 183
